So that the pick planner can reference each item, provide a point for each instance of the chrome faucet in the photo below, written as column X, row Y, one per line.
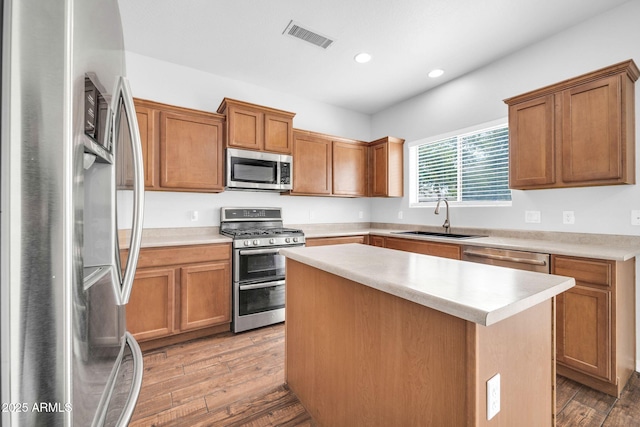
column 447, row 224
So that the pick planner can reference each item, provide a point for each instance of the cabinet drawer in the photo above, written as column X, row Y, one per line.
column 323, row 241
column 155, row 257
column 585, row 271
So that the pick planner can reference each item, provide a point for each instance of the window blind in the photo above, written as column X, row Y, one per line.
column 466, row 168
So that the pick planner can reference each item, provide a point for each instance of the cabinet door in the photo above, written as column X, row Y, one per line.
column 150, row 311
column 376, row 241
column 443, row 250
column 205, row 295
column 149, row 138
column 591, row 134
column 191, row 152
column 245, row 127
column 278, row 133
column 379, row 170
column 311, row 164
column 583, row 330
column 532, row 143
column 349, row 169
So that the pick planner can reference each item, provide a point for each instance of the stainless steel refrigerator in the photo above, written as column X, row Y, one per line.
column 70, row 150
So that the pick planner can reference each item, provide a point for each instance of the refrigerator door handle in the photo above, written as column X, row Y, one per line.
column 138, row 369
column 138, row 189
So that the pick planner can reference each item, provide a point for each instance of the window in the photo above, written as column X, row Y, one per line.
column 468, row 167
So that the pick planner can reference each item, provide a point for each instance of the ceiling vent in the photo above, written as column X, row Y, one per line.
column 296, row 30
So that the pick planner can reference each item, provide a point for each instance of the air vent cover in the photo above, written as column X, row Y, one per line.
column 296, row 30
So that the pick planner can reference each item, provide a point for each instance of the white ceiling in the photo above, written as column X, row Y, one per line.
column 242, row 40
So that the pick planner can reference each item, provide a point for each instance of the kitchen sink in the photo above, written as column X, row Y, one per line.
column 435, row 234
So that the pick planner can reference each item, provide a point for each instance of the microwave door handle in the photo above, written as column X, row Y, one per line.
column 138, row 188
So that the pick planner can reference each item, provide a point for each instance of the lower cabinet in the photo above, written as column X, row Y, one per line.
column 323, row 241
column 444, row 250
column 595, row 322
column 180, row 289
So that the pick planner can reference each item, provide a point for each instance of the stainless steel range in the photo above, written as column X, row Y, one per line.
column 258, row 268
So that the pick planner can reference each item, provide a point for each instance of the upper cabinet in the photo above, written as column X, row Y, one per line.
column 182, row 148
column 254, row 127
column 326, row 165
column 579, row 132
column 386, row 177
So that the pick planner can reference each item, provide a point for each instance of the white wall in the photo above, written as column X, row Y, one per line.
column 477, row 98
column 177, row 85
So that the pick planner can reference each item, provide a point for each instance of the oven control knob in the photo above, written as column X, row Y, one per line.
column 272, row 241
column 287, row 240
column 256, row 242
column 295, row 239
column 246, row 243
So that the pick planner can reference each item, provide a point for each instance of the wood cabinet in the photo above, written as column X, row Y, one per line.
column 349, row 165
column 312, row 166
column 386, row 165
column 255, row 127
column 595, row 322
column 182, row 148
column 325, row 165
column 340, row 240
column 444, row 250
column 376, row 241
column 180, row 289
column 579, row 132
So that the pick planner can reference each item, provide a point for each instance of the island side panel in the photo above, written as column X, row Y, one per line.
column 358, row 356
column 521, row 350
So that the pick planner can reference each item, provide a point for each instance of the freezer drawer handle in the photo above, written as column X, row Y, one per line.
column 506, row 258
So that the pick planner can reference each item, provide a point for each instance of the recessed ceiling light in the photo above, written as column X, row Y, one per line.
column 362, row 58
column 435, row 73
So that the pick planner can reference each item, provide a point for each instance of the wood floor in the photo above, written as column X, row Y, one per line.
column 238, row 380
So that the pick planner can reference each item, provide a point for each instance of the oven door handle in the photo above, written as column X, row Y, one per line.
column 259, row 251
column 261, row 285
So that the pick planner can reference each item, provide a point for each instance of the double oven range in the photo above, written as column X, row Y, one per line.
column 258, row 278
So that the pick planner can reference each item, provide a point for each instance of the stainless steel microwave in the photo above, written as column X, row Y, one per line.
column 256, row 170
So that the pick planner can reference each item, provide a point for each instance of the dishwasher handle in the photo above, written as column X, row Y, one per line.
column 537, row 262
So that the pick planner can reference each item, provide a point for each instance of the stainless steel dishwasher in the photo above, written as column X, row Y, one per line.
column 519, row 260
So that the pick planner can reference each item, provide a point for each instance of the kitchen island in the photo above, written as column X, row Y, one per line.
column 380, row 337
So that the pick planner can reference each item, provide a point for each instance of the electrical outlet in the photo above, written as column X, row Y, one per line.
column 635, row 217
column 568, row 217
column 194, row 215
column 493, row 396
column 532, row 217
column 312, row 215
column 360, row 214
column 400, row 215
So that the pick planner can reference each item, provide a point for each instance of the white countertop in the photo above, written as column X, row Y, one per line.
column 587, row 246
column 608, row 247
column 479, row 293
